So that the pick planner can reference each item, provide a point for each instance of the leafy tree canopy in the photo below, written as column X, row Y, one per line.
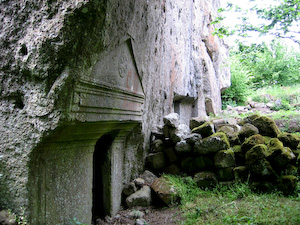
column 280, row 20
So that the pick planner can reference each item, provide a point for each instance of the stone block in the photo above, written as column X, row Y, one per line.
column 164, row 190
column 183, row 147
column 197, row 121
column 266, row 126
column 157, row 146
column 225, row 174
column 205, row 129
column 140, row 198
column 180, row 133
column 206, row 179
column 171, row 120
column 196, row 164
column 246, row 131
column 224, row 159
column 129, row 189
column 192, row 138
column 139, row 182
column 212, row 144
column 171, row 155
column 156, row 161
column 148, row 177
column 172, row 169
column 241, row 173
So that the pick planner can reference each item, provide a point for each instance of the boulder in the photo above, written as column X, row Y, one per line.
column 197, row 121
column 262, row 186
column 225, row 174
column 156, row 161
column 206, row 179
column 164, row 190
column 196, row 164
column 266, row 126
column 218, row 123
column 7, row 218
column 192, row 138
column 246, row 131
column 249, row 119
column 278, row 155
column 251, row 142
column 129, row 189
column 172, row 169
column 241, row 173
column 289, row 140
column 212, row 144
column 148, row 177
column 171, row 155
column 179, row 133
column 238, row 155
column 256, row 161
column 224, row 159
column 140, row 198
column 205, row 129
column 231, row 133
column 157, row 146
column 183, row 147
column 171, row 120
column 287, row 184
column 139, row 182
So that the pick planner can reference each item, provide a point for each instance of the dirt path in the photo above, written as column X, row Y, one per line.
column 152, row 216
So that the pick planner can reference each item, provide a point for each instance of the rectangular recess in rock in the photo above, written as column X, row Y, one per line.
column 112, row 91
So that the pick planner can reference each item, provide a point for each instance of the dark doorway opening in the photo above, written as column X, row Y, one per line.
column 101, row 176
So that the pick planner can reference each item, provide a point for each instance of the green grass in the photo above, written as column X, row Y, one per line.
column 290, row 94
column 233, row 204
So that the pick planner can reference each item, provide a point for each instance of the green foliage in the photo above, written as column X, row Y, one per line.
column 282, row 17
column 271, row 65
column 280, row 20
column 240, row 82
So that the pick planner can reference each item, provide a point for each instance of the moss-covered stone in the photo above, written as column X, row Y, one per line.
column 256, row 161
column 156, row 161
column 246, row 131
column 212, row 144
column 231, row 133
column 197, row 121
column 206, row 179
column 248, row 119
column 278, row 155
column 164, row 190
column 205, row 129
column 287, row 184
column 251, row 142
column 196, row 164
column 238, row 155
column 289, row 140
column 262, row 186
column 224, row 159
column 225, row 174
column 266, row 126
column 241, row 173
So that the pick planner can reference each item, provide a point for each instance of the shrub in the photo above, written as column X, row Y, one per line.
column 240, row 83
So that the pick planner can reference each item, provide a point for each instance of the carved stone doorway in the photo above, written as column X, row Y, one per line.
column 101, row 176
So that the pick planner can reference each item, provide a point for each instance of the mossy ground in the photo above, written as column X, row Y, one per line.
column 234, row 204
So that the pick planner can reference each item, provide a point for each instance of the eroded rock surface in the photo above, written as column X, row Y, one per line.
column 72, row 71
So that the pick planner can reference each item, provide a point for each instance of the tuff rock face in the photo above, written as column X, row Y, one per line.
column 75, row 71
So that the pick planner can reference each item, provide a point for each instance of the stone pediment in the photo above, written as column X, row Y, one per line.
column 112, row 91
